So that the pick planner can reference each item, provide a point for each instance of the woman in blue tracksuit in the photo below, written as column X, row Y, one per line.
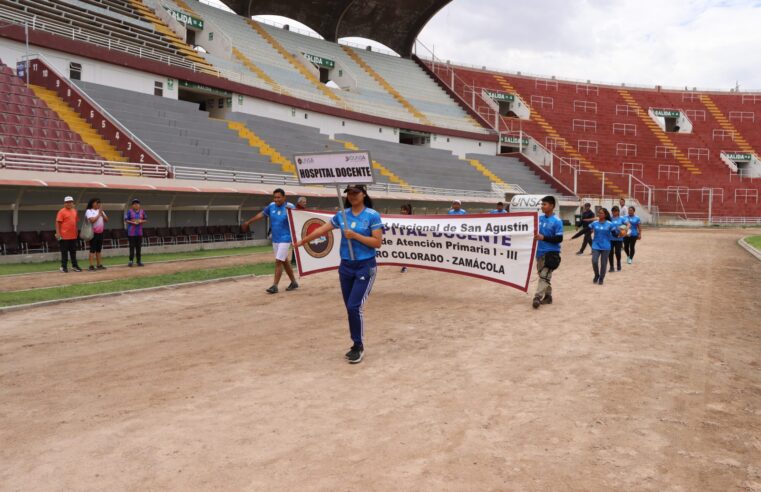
column 604, row 232
column 365, row 230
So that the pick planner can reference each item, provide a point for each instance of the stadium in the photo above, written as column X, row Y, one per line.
column 186, row 375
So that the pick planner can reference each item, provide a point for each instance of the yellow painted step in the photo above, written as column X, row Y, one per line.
column 78, row 124
column 263, row 147
column 293, row 61
column 478, row 166
column 258, row 71
column 380, row 168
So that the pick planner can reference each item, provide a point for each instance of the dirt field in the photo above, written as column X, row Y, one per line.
column 651, row 382
column 52, row 279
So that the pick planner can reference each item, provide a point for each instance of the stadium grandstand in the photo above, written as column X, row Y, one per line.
column 201, row 109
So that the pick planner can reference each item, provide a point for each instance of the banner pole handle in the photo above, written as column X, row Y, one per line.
column 346, row 221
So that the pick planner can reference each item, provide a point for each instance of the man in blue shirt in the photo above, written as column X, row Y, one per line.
column 500, row 209
column 549, row 236
column 277, row 212
column 633, row 235
column 457, row 208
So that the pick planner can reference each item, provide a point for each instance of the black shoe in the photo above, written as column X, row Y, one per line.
column 140, row 264
column 611, row 271
column 579, row 253
column 355, row 355
column 129, row 264
column 76, row 268
column 292, row 286
column 537, row 302
column 619, row 269
column 92, row 268
column 600, row 282
column 353, row 348
column 101, row 267
column 272, row 290
column 547, row 299
column 404, row 269
column 64, row 270
column 594, row 280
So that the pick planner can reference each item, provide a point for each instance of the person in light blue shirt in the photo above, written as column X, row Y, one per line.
column 618, row 241
column 549, row 236
column 500, row 209
column 364, row 228
column 604, row 231
column 277, row 212
column 633, row 235
column 457, row 208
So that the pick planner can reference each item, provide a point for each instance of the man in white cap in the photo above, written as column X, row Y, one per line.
column 457, row 208
column 66, row 233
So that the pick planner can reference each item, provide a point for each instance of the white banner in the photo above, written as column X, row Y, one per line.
column 352, row 167
column 495, row 247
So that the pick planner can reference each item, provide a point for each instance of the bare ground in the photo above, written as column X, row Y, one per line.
column 651, row 382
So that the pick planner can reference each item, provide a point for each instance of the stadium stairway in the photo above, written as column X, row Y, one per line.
column 383, row 170
column 388, row 87
column 568, row 149
column 160, row 26
column 78, row 124
column 295, row 63
column 725, row 124
column 249, row 64
column 261, row 146
column 512, row 170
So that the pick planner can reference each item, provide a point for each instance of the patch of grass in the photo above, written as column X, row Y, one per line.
column 13, row 298
column 51, row 266
column 754, row 241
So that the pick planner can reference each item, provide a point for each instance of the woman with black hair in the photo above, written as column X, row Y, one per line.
column 604, row 231
column 98, row 218
column 363, row 227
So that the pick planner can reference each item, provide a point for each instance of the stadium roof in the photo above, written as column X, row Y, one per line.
column 394, row 23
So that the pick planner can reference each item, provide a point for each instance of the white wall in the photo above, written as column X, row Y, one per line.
column 92, row 71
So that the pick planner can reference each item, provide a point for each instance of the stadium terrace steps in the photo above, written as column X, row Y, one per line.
column 383, row 83
column 78, row 124
column 295, row 63
column 422, row 166
column 258, row 71
column 178, row 131
column 179, row 44
column 383, row 170
column 741, row 142
column 682, row 159
column 263, row 147
column 512, row 170
column 567, row 148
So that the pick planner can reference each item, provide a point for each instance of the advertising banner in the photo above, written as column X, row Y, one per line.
column 495, row 247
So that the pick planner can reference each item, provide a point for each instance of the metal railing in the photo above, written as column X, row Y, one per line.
column 38, row 163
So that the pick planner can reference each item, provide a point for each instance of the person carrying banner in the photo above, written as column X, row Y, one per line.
column 549, row 236
column 277, row 211
column 364, row 228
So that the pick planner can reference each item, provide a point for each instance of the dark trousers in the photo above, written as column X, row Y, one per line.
column 587, row 232
column 615, row 250
column 600, row 256
column 357, row 278
column 135, row 247
column 629, row 243
column 68, row 248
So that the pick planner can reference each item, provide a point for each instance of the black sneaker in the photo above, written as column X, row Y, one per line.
column 64, row 270
column 611, row 271
column 272, row 290
column 76, row 268
column 356, row 354
column 101, row 267
column 594, row 280
column 404, row 269
column 292, row 286
column 139, row 264
column 579, row 253
column 547, row 299
column 600, row 282
column 537, row 302
column 129, row 264
column 91, row 269
column 353, row 348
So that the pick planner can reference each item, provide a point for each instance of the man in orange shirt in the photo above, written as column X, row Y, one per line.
column 66, row 233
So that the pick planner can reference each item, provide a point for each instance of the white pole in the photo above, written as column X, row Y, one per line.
column 26, row 64
column 710, row 204
column 346, row 221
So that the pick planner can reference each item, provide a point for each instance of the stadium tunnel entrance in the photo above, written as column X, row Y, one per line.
column 217, row 102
